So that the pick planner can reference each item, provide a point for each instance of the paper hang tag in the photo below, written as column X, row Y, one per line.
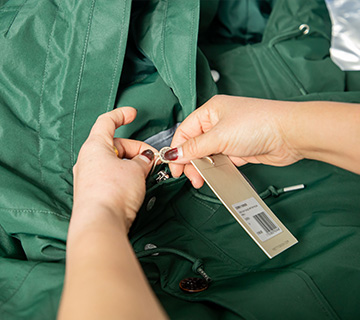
column 244, row 204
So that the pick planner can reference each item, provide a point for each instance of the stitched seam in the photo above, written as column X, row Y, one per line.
column 190, row 51
column 163, row 48
column 256, row 63
column 204, row 204
column 213, row 211
column 204, row 197
column 297, row 84
column 139, row 80
column 163, row 41
column 247, row 17
column 76, row 99
column 117, row 57
column 42, row 90
column 14, row 9
column 318, row 295
column 208, row 242
column 36, row 211
column 22, row 282
column 13, row 19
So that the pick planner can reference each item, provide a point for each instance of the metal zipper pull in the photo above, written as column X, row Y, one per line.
column 162, row 176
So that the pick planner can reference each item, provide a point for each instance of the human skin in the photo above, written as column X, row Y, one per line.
column 276, row 133
column 103, row 278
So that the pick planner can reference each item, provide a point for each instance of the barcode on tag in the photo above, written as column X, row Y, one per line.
column 257, row 219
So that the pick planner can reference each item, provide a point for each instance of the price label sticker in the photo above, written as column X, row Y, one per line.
column 257, row 218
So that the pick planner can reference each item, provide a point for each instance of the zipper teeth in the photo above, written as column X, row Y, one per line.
column 297, row 84
column 302, row 30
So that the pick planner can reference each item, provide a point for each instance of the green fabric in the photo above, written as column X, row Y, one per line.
column 167, row 35
column 286, row 63
column 238, row 22
column 63, row 63
column 245, row 281
column 60, row 66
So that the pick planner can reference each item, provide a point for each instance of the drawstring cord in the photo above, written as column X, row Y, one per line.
column 303, row 29
column 271, row 191
column 197, row 266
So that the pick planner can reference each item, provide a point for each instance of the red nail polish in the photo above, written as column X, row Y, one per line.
column 171, row 155
column 148, row 154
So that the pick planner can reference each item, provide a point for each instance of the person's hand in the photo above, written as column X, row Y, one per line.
column 103, row 179
column 108, row 192
column 245, row 129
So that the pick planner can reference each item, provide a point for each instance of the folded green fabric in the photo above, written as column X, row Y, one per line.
column 63, row 63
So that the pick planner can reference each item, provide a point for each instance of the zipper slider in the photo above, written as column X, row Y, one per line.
column 162, row 176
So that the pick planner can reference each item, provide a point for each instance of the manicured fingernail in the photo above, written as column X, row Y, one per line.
column 148, row 154
column 173, row 154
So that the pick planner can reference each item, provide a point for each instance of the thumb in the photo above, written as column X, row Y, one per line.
column 194, row 148
column 145, row 160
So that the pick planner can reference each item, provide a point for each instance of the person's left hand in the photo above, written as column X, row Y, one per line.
column 103, row 179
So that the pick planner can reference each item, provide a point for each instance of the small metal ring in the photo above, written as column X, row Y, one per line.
column 211, row 160
column 162, row 153
column 304, row 28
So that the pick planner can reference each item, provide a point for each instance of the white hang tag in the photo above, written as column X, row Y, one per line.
column 244, row 204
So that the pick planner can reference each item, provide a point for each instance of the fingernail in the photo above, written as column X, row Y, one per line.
column 173, row 154
column 148, row 154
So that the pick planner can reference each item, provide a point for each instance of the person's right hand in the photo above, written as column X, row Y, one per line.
column 248, row 130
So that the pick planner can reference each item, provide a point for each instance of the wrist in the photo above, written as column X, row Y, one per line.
column 291, row 122
column 87, row 213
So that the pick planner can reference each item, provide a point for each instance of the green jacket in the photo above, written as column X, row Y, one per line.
column 63, row 63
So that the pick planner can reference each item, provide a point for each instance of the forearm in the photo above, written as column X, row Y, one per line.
column 103, row 277
column 325, row 131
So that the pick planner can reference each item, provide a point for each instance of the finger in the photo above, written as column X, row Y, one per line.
column 198, row 122
column 194, row 176
column 107, row 123
column 145, row 160
column 176, row 169
column 237, row 161
column 130, row 148
column 203, row 145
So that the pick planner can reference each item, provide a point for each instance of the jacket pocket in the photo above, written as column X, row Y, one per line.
column 210, row 222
